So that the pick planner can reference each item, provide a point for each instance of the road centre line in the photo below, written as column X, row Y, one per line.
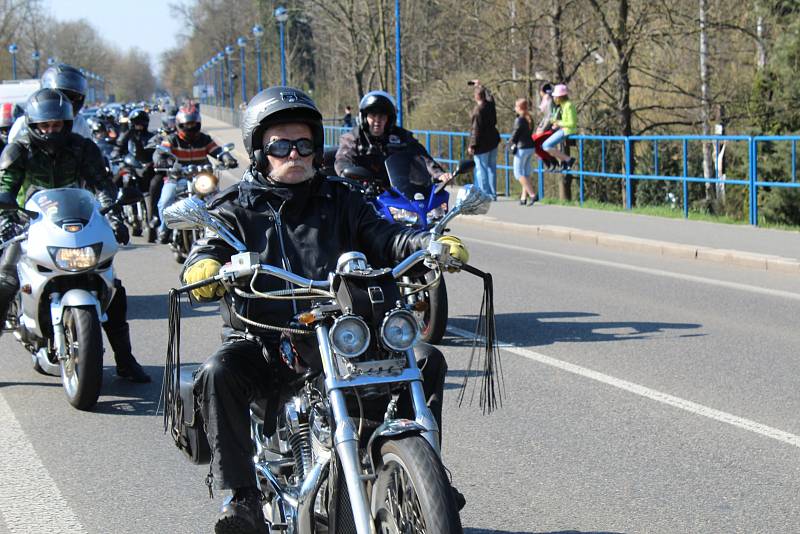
column 647, row 270
column 643, row 391
column 31, row 501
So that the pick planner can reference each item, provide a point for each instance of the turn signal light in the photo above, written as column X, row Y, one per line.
column 26, row 289
column 306, row 318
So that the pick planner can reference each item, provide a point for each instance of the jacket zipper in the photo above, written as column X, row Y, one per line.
column 284, row 258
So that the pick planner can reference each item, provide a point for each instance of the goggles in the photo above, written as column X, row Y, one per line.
column 281, row 148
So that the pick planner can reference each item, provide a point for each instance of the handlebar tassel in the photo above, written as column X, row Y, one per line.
column 490, row 369
column 170, row 387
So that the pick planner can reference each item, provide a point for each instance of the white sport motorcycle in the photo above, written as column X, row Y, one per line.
column 66, row 277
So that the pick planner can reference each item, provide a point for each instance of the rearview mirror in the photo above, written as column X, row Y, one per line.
column 358, row 173
column 472, row 201
column 191, row 213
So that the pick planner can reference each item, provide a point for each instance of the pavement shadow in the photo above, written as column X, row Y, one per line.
column 485, row 531
column 154, row 307
column 15, row 383
column 130, row 398
column 545, row 329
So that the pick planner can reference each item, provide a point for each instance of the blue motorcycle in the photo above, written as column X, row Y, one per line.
column 411, row 198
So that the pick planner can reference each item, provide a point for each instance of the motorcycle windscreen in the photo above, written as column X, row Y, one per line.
column 65, row 205
column 408, row 174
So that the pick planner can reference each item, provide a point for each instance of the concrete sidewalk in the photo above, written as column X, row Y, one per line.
column 741, row 245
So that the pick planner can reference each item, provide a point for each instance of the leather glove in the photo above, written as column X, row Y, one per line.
column 9, row 227
column 205, row 268
column 457, row 248
column 104, row 199
column 121, row 233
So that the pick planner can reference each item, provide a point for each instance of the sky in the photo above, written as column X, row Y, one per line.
column 145, row 24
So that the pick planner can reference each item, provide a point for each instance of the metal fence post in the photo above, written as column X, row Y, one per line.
column 753, row 178
column 628, row 203
column 685, row 174
column 794, row 161
column 580, row 169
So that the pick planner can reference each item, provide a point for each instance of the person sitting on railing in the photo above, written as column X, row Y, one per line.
column 376, row 137
column 565, row 123
column 545, row 128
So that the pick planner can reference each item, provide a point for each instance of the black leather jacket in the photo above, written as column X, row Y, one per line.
column 303, row 229
column 357, row 148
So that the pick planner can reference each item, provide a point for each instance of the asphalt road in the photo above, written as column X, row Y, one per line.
column 643, row 395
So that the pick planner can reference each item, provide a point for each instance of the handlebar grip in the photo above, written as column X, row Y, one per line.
column 189, row 287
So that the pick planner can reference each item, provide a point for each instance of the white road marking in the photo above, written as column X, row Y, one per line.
column 647, row 270
column 643, row 391
column 30, row 498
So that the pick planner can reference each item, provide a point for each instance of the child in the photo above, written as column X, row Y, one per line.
column 565, row 123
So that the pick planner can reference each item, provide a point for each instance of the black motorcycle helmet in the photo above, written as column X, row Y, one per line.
column 48, row 105
column 69, row 81
column 168, row 119
column 99, row 130
column 279, row 105
column 186, row 115
column 376, row 102
column 139, row 117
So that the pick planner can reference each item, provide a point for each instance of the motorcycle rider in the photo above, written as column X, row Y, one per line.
column 72, row 83
column 48, row 155
column 6, row 121
column 376, row 137
column 189, row 146
column 288, row 213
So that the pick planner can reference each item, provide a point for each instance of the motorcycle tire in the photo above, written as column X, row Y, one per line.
column 410, row 468
column 136, row 229
column 434, row 319
column 82, row 371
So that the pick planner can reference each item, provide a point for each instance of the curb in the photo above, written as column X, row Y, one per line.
column 764, row 262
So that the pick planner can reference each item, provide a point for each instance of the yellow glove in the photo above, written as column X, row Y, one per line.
column 457, row 248
column 200, row 271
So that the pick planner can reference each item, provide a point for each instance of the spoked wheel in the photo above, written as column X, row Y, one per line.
column 82, row 370
column 433, row 321
column 412, row 494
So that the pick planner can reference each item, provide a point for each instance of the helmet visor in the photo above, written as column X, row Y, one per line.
column 51, row 109
column 67, row 80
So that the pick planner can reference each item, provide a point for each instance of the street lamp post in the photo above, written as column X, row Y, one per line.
column 35, row 56
column 282, row 15
column 221, row 60
column 13, row 49
column 242, row 42
column 229, row 63
column 398, row 64
column 258, row 31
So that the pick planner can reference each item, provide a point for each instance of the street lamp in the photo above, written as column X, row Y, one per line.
column 229, row 62
column 220, row 57
column 13, row 49
column 282, row 15
column 258, row 32
column 398, row 64
column 35, row 56
column 51, row 61
column 242, row 42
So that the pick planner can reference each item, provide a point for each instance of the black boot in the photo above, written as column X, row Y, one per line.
column 127, row 366
column 242, row 513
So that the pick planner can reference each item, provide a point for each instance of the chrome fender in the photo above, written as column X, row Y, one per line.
column 391, row 429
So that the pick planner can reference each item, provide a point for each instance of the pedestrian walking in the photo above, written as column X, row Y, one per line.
column 484, row 139
column 521, row 146
column 565, row 123
column 347, row 120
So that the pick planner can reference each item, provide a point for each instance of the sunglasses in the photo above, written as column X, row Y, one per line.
column 281, row 148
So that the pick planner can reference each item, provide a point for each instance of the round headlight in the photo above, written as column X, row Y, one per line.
column 399, row 330
column 349, row 336
column 204, row 184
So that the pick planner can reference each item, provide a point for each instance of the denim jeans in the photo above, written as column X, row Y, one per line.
column 486, row 172
column 168, row 194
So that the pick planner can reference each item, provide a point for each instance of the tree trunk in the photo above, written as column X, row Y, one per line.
column 704, row 101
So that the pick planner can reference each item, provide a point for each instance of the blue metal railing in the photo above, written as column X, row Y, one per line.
column 449, row 147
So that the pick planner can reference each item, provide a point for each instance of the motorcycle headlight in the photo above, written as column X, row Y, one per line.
column 349, row 336
column 404, row 216
column 204, row 184
column 437, row 213
column 399, row 330
column 75, row 259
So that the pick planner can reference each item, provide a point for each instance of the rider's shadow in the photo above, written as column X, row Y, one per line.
column 130, row 398
column 543, row 328
column 149, row 307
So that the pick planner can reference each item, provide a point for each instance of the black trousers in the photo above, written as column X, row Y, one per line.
column 236, row 375
column 116, row 327
column 153, row 194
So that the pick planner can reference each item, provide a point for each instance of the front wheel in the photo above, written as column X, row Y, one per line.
column 82, row 370
column 411, row 492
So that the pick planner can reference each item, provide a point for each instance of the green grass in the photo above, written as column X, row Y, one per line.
column 665, row 211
